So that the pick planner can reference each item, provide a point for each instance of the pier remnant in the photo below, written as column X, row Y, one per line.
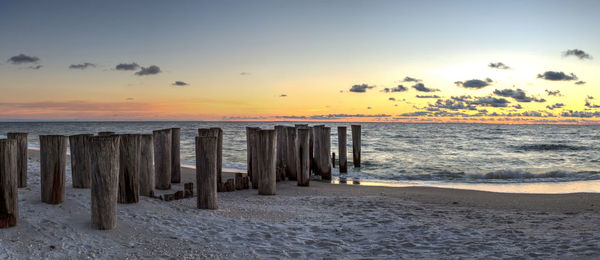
column 291, row 153
column 80, row 160
column 162, row 158
column 218, row 132
column 302, row 148
column 267, row 154
column 104, row 151
column 129, row 168
column 322, row 151
column 9, row 206
column 146, row 165
column 206, row 172
column 252, row 155
column 175, row 157
column 53, row 159
column 356, row 145
column 342, row 152
column 21, row 157
column 281, row 152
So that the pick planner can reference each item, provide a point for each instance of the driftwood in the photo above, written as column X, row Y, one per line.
column 281, row 152
column 53, row 158
column 175, row 157
column 356, row 145
column 302, row 148
column 129, row 168
column 105, row 133
column 9, row 206
column 104, row 151
column 162, row 159
column 80, row 160
column 266, row 153
column 146, row 166
column 343, row 154
column 206, row 171
column 292, row 157
column 21, row 157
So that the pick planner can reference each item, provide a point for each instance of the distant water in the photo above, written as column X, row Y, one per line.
column 479, row 153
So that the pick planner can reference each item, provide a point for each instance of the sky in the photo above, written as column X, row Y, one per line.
column 406, row 61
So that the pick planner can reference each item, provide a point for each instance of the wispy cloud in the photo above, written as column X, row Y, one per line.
column 580, row 82
column 555, row 106
column 180, row 84
column 399, row 88
column 283, row 95
column 557, row 76
column 22, row 58
column 127, row 66
column 427, row 96
column 82, row 66
column 498, row 65
column 474, row 83
column 421, row 88
column 517, row 94
column 361, row 88
column 410, row 79
column 152, row 70
column 553, row 93
column 577, row 53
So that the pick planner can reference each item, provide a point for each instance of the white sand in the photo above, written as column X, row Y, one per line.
column 321, row 221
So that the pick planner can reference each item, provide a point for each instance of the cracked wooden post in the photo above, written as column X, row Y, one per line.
column 105, row 133
column 281, row 152
column 129, row 168
column 322, row 149
column 356, row 145
column 267, row 153
column 21, row 157
column 303, row 147
column 53, row 159
column 9, row 206
column 206, row 172
column 104, row 151
column 80, row 160
column 175, row 156
column 218, row 132
column 146, row 166
column 342, row 152
column 252, row 155
column 292, row 158
column 162, row 159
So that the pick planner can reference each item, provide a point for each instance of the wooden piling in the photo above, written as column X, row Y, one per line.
column 342, row 152
column 80, row 160
column 333, row 160
column 175, row 157
column 281, row 152
column 239, row 182
column 53, row 158
column 206, row 172
column 303, row 147
column 104, row 151
column 218, row 132
column 267, row 154
column 105, row 133
column 21, row 157
column 146, row 166
column 162, row 159
column 322, row 150
column 129, row 168
column 252, row 155
column 291, row 168
column 9, row 178
column 311, row 152
column 356, row 135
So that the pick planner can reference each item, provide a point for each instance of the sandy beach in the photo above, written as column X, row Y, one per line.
column 321, row 221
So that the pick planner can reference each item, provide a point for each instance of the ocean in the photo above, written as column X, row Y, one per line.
column 401, row 152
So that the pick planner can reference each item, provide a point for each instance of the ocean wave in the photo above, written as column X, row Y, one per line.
column 513, row 176
column 550, row 147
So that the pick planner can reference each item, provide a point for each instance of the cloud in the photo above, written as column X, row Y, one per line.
column 392, row 99
column 474, row 83
column 498, row 65
column 452, row 104
column 129, row 98
column 244, row 73
column 518, row 106
column 519, row 95
column 244, row 117
column 127, row 66
column 557, row 105
column 582, row 114
column 399, row 88
column 427, row 96
column 333, row 116
column 369, row 107
column 580, row 82
column 179, row 84
column 283, row 95
column 152, row 70
column 82, row 66
column 22, row 58
column 362, row 88
column 421, row 87
column 490, row 102
column 36, row 67
column 577, row 53
column 554, row 93
column 409, row 79
column 556, row 76
column 589, row 104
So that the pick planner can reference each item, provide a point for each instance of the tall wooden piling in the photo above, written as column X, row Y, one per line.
column 80, row 160
column 162, row 159
column 281, row 152
column 333, row 160
column 342, row 152
column 356, row 135
column 267, row 154
column 175, row 156
column 21, row 157
column 311, row 152
column 104, row 151
column 302, row 148
column 53, row 159
column 146, row 166
column 129, row 168
column 322, row 150
column 206, row 172
column 105, row 133
column 252, row 155
column 218, row 132
column 291, row 168
column 9, row 206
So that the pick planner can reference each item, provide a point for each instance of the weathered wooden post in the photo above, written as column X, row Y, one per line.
column 311, row 133
column 356, row 145
column 322, row 149
column 104, row 151
column 175, row 157
column 129, row 168
column 218, row 132
column 9, row 206
column 343, row 154
column 333, row 160
column 146, row 166
column 162, row 159
column 80, row 160
column 53, row 159
column 252, row 139
column 291, row 167
column 206, row 172
column 21, row 157
column 281, row 152
column 239, row 182
column 302, row 148
column 105, row 133
column 267, row 153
